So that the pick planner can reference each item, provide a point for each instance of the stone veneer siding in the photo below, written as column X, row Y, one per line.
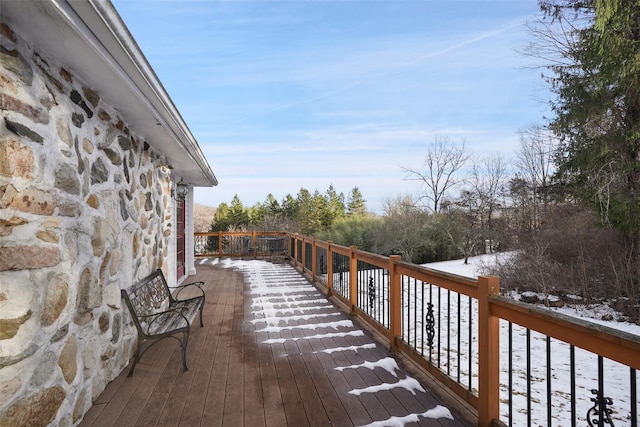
column 85, row 210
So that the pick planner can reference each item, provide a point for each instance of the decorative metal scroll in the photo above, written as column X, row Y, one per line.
column 372, row 293
column 430, row 325
column 594, row 414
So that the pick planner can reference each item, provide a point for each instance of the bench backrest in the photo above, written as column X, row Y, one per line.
column 149, row 296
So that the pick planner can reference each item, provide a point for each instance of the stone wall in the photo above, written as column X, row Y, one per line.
column 85, row 210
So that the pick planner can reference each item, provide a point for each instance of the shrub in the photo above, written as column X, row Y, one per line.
column 571, row 253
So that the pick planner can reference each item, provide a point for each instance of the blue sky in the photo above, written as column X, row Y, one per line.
column 288, row 94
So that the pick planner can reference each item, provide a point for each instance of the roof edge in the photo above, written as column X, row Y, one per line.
column 146, row 83
column 113, row 21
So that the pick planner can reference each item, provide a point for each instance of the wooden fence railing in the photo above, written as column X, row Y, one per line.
column 495, row 353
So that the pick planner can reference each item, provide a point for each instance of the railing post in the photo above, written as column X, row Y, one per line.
column 254, row 243
column 295, row 250
column 303, row 253
column 288, row 251
column 329, row 268
column 395, row 304
column 220, row 243
column 314, row 250
column 488, row 353
column 353, row 278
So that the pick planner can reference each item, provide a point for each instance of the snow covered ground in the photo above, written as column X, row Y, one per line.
column 594, row 312
column 617, row 378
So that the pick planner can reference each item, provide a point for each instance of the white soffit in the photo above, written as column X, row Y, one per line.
column 90, row 39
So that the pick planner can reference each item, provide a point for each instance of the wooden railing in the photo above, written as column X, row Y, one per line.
column 461, row 331
column 239, row 244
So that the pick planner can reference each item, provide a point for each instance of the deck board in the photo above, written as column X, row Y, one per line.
column 236, row 378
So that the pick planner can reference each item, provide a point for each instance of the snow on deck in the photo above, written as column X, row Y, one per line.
column 284, row 308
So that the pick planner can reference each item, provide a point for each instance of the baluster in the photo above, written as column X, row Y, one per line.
column 600, row 410
column 372, row 293
column 430, row 325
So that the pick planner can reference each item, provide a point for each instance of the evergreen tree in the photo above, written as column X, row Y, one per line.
column 238, row 215
column 221, row 220
column 271, row 206
column 356, row 203
column 290, row 208
column 304, row 214
column 335, row 209
column 596, row 78
column 597, row 110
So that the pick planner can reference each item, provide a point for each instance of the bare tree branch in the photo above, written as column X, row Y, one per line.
column 439, row 172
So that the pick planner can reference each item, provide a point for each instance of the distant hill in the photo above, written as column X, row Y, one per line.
column 202, row 217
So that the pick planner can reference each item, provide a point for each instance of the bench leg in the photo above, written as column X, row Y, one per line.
column 136, row 358
column 185, row 340
column 201, row 308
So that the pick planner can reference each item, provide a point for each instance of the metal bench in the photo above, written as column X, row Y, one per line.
column 158, row 314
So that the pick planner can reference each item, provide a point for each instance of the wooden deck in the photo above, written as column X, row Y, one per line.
column 273, row 352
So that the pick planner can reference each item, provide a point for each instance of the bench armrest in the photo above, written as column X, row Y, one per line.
column 187, row 286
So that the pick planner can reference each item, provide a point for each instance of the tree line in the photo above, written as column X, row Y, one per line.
column 307, row 213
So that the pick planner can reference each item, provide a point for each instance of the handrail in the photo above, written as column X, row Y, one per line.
column 611, row 343
column 491, row 308
column 454, row 282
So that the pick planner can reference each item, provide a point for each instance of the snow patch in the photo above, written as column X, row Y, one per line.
column 350, row 348
column 301, row 303
column 275, row 320
column 289, row 301
column 388, row 364
column 270, row 310
column 332, row 325
column 275, row 293
column 435, row 413
column 408, row 384
column 319, row 336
